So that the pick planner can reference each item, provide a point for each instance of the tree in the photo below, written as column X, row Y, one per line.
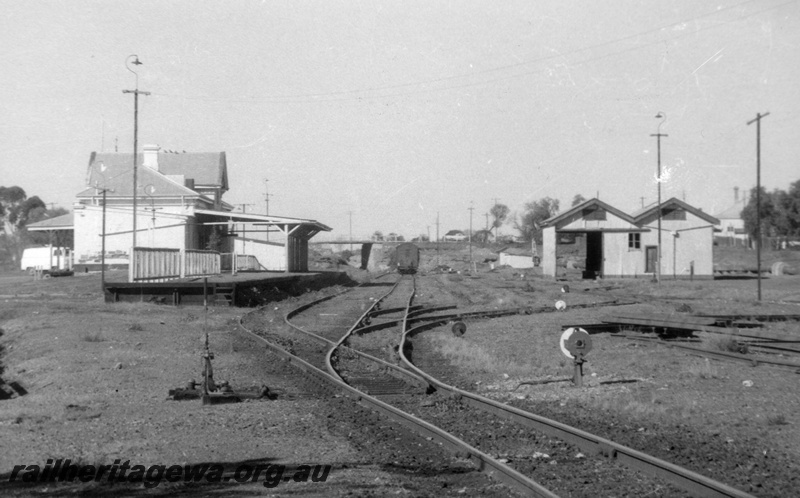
column 529, row 224
column 11, row 204
column 780, row 212
column 377, row 236
column 499, row 212
column 482, row 236
column 578, row 199
column 17, row 211
column 768, row 213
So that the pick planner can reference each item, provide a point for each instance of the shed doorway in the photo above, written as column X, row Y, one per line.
column 651, row 254
column 594, row 255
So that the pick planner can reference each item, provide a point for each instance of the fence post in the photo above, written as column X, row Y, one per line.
column 183, row 262
column 132, row 265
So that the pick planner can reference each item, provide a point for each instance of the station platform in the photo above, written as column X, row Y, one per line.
column 245, row 289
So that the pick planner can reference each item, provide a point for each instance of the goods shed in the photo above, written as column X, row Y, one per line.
column 620, row 245
column 606, row 230
column 687, row 239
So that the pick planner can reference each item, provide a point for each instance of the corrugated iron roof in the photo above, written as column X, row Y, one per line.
column 674, row 201
column 205, row 168
column 63, row 222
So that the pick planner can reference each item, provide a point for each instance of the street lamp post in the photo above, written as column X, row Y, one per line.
column 135, row 93
column 663, row 117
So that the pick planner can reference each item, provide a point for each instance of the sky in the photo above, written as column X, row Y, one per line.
column 390, row 115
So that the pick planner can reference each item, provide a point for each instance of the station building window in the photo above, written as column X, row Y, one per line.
column 634, row 241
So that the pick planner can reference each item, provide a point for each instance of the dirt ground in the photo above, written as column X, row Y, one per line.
column 97, row 377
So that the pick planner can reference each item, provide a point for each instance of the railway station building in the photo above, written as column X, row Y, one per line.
column 179, row 205
column 621, row 245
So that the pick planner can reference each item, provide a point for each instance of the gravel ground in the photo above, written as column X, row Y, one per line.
column 98, row 375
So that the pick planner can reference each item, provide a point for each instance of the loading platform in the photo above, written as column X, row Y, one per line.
column 242, row 289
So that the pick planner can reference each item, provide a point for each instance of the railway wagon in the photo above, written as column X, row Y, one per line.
column 407, row 258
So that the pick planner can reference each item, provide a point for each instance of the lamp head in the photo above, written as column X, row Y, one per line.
column 659, row 115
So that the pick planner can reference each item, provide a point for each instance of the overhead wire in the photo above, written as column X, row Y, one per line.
column 336, row 96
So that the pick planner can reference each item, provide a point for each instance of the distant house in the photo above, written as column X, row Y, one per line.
column 622, row 245
column 454, row 236
column 731, row 225
column 178, row 205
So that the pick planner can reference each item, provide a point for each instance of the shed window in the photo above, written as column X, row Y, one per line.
column 634, row 241
column 594, row 214
column 673, row 214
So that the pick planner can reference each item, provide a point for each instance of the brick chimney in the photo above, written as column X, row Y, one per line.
column 736, row 195
column 151, row 156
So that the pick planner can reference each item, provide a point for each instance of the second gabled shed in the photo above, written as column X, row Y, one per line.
column 622, row 245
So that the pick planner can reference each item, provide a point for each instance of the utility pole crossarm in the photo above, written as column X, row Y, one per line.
column 138, row 92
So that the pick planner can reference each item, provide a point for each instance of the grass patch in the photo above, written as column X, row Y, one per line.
column 472, row 357
column 731, row 345
column 704, row 369
column 778, row 419
column 93, row 337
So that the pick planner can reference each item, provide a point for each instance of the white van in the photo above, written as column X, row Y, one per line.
column 46, row 258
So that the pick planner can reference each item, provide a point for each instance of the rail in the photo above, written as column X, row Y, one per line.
column 693, row 482
column 482, row 461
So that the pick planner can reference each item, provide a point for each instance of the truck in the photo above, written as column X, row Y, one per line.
column 49, row 259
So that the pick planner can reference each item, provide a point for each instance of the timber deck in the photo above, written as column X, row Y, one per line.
column 225, row 289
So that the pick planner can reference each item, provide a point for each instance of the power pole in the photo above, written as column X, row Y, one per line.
column 244, row 230
column 351, row 230
column 135, row 93
column 658, row 180
column 266, row 198
column 471, row 208
column 757, row 121
column 438, row 256
column 487, row 221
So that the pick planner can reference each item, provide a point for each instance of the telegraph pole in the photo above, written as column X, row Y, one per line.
column 351, row 230
column 244, row 229
column 438, row 256
column 496, row 229
column 266, row 198
column 757, row 121
column 135, row 93
column 471, row 208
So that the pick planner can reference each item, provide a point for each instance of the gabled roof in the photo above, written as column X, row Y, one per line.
column 674, row 201
column 584, row 205
column 63, row 222
column 207, row 169
column 732, row 213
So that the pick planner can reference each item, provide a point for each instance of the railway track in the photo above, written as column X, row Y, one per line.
column 362, row 344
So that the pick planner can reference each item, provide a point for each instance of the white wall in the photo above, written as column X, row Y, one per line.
column 168, row 230
column 515, row 261
column 271, row 255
